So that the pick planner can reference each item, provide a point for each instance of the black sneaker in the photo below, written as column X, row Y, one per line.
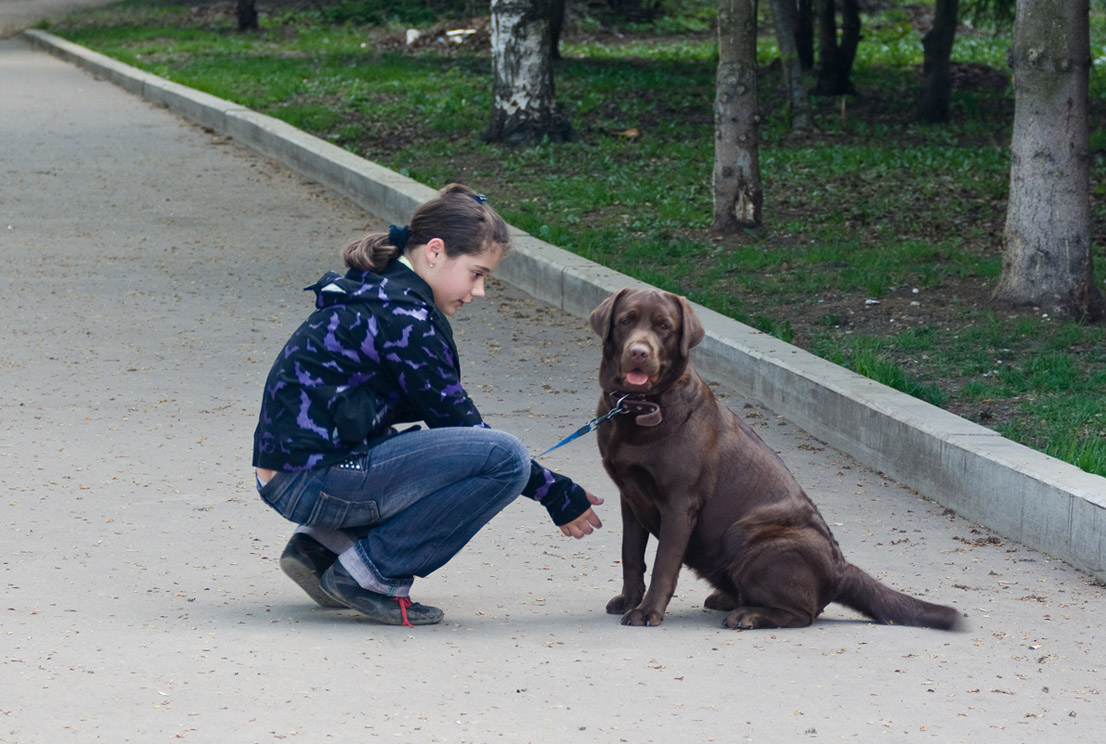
column 304, row 560
column 377, row 607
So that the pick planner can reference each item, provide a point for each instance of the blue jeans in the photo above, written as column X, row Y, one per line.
column 411, row 503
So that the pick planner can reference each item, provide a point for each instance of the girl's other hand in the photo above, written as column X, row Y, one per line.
column 586, row 523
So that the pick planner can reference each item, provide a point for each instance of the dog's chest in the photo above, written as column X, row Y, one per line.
column 645, row 474
column 638, row 490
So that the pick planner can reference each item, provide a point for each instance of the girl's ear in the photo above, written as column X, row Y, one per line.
column 434, row 251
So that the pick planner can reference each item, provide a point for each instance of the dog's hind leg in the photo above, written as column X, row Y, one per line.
column 748, row 618
column 778, row 590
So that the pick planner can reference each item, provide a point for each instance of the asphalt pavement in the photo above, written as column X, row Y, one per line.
column 152, row 269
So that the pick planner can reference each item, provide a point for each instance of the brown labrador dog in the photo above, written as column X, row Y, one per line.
column 717, row 498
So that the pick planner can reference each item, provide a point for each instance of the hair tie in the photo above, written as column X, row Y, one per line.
column 480, row 198
column 397, row 236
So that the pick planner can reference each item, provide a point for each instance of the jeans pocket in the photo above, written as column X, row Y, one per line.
column 337, row 513
column 286, row 493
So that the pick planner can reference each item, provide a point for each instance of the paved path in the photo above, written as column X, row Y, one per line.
column 16, row 15
column 151, row 270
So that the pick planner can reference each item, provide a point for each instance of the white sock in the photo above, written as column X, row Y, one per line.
column 335, row 541
column 351, row 561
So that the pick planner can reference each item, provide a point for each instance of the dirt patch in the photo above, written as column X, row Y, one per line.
column 471, row 35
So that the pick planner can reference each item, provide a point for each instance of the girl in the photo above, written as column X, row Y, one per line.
column 377, row 507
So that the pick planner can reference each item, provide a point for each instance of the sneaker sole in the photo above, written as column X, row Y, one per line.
column 308, row 579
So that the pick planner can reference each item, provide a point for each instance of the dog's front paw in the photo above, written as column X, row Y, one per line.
column 640, row 616
column 621, row 603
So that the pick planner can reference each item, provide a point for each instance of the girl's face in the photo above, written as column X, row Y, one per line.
column 460, row 280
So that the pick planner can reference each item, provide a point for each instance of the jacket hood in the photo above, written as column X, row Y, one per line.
column 396, row 283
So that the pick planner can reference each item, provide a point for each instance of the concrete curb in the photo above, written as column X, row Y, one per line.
column 1014, row 490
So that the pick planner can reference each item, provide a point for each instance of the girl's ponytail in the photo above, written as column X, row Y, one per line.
column 370, row 253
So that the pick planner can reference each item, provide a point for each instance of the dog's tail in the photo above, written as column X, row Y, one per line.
column 885, row 605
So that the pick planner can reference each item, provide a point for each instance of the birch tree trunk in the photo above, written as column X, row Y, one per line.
column 524, row 106
column 738, row 197
column 784, row 12
column 1047, row 257
column 933, row 106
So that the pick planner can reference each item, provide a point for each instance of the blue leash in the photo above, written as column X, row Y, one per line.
column 589, row 427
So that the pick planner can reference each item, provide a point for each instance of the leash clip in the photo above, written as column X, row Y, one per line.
column 590, row 426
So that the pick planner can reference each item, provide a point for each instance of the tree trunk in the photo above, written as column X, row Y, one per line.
column 524, row 106
column 933, row 104
column 247, row 15
column 804, row 33
column 738, row 197
column 850, row 37
column 639, row 11
column 828, row 62
column 835, row 61
column 784, row 13
column 1047, row 258
column 556, row 23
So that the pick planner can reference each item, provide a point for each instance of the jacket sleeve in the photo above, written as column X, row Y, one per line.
column 564, row 500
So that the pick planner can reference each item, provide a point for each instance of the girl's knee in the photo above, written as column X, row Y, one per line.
column 511, row 454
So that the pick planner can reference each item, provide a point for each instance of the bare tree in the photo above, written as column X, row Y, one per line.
column 804, row 33
column 800, row 15
column 524, row 106
column 785, row 12
column 247, row 15
column 933, row 105
column 738, row 196
column 1047, row 257
column 556, row 24
column 835, row 58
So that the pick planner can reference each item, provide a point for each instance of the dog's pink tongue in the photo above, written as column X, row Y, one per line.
column 637, row 377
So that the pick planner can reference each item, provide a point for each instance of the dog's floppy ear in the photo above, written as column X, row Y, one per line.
column 600, row 318
column 693, row 331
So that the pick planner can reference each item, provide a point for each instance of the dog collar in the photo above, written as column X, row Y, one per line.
column 648, row 411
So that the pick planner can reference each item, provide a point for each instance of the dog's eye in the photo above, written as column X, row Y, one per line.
column 664, row 326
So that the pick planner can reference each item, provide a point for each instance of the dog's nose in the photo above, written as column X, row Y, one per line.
column 639, row 351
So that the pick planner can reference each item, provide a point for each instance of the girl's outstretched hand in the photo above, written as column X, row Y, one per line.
column 586, row 523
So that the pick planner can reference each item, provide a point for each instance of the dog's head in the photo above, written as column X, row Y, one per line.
column 647, row 337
